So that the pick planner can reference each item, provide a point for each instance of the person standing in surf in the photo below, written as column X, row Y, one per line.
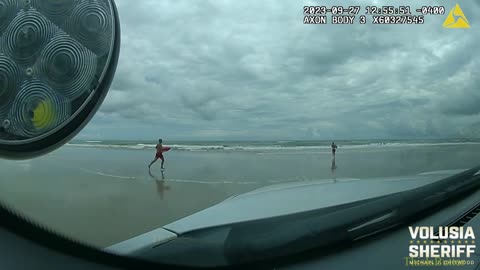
column 159, row 154
column 334, row 148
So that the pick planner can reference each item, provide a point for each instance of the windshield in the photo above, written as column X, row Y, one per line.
column 215, row 99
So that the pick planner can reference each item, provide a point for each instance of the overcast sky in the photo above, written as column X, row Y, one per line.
column 253, row 70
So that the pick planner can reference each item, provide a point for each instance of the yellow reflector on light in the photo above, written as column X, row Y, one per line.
column 43, row 115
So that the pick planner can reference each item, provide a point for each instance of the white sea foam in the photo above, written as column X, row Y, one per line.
column 261, row 149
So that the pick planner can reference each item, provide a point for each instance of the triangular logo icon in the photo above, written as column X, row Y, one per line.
column 456, row 19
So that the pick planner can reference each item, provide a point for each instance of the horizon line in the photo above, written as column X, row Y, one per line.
column 270, row 140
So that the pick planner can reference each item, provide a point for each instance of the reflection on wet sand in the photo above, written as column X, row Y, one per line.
column 334, row 168
column 161, row 186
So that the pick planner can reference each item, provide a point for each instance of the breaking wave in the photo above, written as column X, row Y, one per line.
column 273, row 147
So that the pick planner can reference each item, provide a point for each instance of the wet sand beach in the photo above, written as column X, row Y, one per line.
column 102, row 196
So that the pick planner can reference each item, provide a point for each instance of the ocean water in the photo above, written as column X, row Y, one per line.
column 101, row 193
column 267, row 146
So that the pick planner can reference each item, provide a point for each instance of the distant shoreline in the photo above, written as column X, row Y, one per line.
column 274, row 146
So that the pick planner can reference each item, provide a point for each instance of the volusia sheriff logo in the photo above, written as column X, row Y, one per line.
column 441, row 246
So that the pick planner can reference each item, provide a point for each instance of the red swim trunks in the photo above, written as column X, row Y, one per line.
column 159, row 155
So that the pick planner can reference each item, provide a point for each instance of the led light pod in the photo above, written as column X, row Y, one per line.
column 57, row 61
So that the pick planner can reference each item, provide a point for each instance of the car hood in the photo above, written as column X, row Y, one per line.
column 289, row 198
column 280, row 200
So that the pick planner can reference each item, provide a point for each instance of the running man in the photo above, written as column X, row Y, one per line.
column 159, row 154
column 334, row 148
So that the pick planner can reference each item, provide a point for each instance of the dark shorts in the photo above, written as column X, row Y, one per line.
column 160, row 156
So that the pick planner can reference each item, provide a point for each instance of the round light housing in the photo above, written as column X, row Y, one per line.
column 57, row 61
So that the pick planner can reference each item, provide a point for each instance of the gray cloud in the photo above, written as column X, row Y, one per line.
column 249, row 69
